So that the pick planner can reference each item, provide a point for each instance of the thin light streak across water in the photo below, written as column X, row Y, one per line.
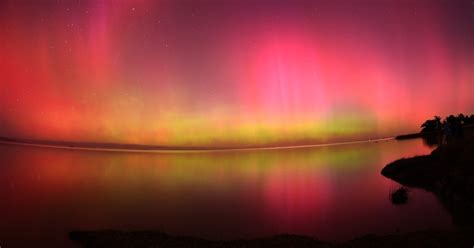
column 84, row 147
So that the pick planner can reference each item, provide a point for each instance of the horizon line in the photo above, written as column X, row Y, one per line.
column 139, row 148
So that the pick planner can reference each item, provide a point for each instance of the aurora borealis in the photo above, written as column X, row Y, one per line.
column 210, row 73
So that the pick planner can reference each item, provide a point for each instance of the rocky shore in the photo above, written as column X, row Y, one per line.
column 430, row 238
column 448, row 172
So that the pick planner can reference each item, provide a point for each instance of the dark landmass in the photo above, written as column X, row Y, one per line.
column 430, row 238
column 448, row 172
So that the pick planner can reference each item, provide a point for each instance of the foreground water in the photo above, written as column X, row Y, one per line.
column 331, row 193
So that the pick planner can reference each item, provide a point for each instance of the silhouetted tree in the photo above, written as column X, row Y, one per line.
column 433, row 125
column 453, row 127
column 469, row 120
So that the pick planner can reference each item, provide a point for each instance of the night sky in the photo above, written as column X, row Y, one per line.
column 234, row 73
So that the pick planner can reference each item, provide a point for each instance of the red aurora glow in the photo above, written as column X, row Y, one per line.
column 231, row 72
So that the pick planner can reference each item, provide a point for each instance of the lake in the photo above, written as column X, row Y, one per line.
column 330, row 193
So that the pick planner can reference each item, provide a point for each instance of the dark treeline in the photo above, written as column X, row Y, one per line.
column 437, row 131
column 437, row 125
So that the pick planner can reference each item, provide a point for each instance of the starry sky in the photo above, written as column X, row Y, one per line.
column 231, row 73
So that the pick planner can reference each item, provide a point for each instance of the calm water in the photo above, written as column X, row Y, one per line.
column 332, row 193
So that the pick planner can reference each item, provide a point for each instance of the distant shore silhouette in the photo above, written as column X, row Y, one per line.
column 433, row 129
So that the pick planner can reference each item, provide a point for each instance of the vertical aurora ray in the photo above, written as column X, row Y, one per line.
column 234, row 73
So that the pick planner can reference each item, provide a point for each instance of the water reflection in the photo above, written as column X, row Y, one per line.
column 326, row 192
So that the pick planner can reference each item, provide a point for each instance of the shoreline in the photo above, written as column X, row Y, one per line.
column 447, row 171
column 411, row 136
column 463, row 237
column 424, row 135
